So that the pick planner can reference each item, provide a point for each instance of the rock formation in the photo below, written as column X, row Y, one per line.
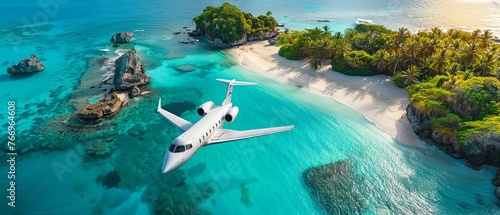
column 135, row 92
column 263, row 36
column 483, row 151
column 197, row 32
column 104, row 108
column 129, row 72
column 247, row 38
column 122, row 37
column 274, row 40
column 27, row 66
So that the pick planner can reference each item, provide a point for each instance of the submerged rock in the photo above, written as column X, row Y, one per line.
column 135, row 92
column 335, row 187
column 122, row 37
column 110, row 180
column 101, row 149
column 27, row 66
column 185, row 68
column 104, row 108
column 129, row 72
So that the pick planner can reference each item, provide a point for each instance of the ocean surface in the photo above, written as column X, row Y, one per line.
column 54, row 175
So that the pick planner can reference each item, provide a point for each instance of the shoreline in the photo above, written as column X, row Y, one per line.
column 376, row 97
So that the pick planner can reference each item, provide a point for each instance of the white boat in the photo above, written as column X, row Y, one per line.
column 364, row 21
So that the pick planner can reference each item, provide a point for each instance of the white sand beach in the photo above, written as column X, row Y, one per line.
column 376, row 97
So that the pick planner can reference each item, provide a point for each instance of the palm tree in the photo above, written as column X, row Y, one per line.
column 429, row 47
column 411, row 53
column 473, row 36
column 470, row 55
column 342, row 47
column 380, row 62
column 397, row 42
column 487, row 64
column 326, row 32
column 440, row 62
column 317, row 51
column 453, row 34
column 337, row 35
column 436, row 33
column 410, row 76
column 486, row 38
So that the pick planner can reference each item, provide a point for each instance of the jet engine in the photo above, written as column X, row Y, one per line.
column 231, row 114
column 205, row 108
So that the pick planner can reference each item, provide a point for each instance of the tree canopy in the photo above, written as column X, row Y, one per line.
column 230, row 24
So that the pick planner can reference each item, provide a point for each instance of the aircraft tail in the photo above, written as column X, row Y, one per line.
column 230, row 84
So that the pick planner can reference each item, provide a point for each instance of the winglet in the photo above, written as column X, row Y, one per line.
column 159, row 105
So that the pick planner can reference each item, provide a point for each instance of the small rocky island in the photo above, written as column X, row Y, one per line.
column 121, row 38
column 27, row 66
column 129, row 75
column 227, row 26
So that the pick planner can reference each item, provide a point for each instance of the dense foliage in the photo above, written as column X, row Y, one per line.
column 452, row 77
column 230, row 24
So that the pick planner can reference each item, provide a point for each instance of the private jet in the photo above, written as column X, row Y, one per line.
column 208, row 130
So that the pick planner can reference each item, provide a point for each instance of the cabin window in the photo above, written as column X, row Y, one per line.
column 199, row 140
column 189, row 146
column 180, row 148
column 171, row 148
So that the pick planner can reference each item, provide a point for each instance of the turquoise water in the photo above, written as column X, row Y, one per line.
column 255, row 176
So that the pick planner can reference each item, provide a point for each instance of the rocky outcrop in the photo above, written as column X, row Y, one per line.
column 479, row 148
column 27, row 66
column 104, row 108
column 196, row 33
column 122, row 37
column 422, row 126
column 129, row 72
column 246, row 38
column 263, row 36
column 273, row 40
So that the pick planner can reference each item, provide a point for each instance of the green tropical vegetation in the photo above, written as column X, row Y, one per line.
column 230, row 24
column 452, row 78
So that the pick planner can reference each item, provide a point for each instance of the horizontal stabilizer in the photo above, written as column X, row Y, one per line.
column 226, row 135
column 235, row 82
column 178, row 122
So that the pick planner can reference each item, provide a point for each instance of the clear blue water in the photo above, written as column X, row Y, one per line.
column 256, row 176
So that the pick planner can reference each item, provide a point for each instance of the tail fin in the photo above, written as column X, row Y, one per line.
column 230, row 84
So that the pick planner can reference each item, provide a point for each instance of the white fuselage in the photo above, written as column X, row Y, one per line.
column 187, row 144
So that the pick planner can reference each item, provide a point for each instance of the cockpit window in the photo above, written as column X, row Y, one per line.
column 189, row 146
column 171, row 148
column 180, row 149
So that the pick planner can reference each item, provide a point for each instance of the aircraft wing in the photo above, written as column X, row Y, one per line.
column 178, row 122
column 226, row 135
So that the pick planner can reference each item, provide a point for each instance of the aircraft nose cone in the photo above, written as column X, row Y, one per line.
column 170, row 162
